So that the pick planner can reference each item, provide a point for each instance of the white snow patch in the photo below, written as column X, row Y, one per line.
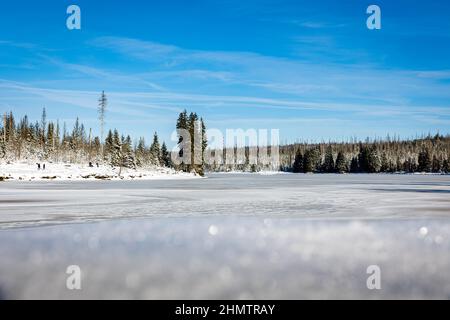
column 26, row 171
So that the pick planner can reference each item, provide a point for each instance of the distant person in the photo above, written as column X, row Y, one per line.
column 90, row 165
column 43, row 166
column 39, row 166
column 97, row 164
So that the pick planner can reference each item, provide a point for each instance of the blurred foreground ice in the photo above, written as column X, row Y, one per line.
column 234, row 237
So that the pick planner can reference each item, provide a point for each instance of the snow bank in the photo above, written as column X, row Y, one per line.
column 61, row 171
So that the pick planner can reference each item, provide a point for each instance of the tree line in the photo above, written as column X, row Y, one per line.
column 425, row 154
column 49, row 141
column 430, row 154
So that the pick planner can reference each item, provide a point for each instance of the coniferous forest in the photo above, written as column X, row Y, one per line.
column 24, row 140
column 426, row 154
column 49, row 141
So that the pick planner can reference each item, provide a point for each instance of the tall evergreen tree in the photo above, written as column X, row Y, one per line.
column 374, row 161
column 363, row 158
column 204, row 141
column 182, row 124
column 193, row 126
column 311, row 160
column 109, row 147
column 194, row 141
column 127, row 160
column 328, row 164
column 141, row 152
column 116, row 152
column 354, row 165
column 341, row 164
column 50, row 140
column 166, row 160
column 155, row 151
column 425, row 161
column 298, row 163
column 384, row 163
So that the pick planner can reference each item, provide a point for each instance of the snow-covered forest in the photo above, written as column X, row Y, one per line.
column 426, row 154
column 24, row 140
column 389, row 155
column 48, row 141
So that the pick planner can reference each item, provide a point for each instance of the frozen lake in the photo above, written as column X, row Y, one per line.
column 228, row 236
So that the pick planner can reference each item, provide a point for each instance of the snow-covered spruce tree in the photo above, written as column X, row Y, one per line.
column 108, row 149
column 341, row 163
column 311, row 160
column 193, row 127
column 369, row 159
column 122, row 155
column 182, row 124
column 128, row 160
column 50, row 141
column 328, row 164
column 374, row 164
column 384, row 163
column 425, row 161
column 57, row 142
column 205, row 141
column 354, row 165
column 166, row 160
column 155, row 151
column 408, row 165
column 197, row 137
column 116, row 151
column 141, row 153
column 298, row 163
column 10, row 137
column 363, row 158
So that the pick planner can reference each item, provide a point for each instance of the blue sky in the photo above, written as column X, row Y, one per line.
column 309, row 68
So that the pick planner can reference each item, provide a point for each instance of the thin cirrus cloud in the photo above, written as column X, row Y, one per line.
column 130, row 103
column 235, row 85
column 283, row 75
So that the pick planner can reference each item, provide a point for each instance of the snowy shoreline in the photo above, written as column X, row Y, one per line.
column 25, row 171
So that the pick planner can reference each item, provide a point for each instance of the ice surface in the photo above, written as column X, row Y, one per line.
column 285, row 195
column 228, row 236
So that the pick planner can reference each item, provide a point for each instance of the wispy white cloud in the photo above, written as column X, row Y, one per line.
column 224, row 84
column 434, row 74
column 278, row 74
column 126, row 102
